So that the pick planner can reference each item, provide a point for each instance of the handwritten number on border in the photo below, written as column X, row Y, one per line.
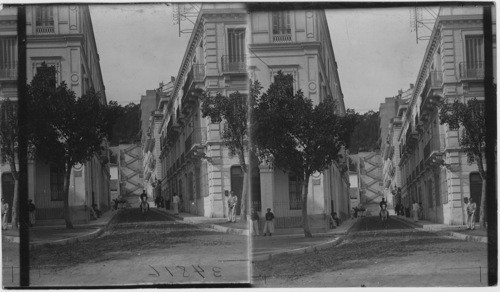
column 169, row 271
column 157, row 273
column 183, row 271
column 199, row 270
column 216, row 271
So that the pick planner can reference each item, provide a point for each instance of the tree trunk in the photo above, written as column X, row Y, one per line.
column 482, row 208
column 305, row 222
column 15, row 201
column 244, row 192
column 67, row 211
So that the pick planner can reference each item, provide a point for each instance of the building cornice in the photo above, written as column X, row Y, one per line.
column 431, row 46
column 279, row 47
column 54, row 38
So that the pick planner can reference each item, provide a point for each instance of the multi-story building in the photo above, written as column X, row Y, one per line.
column 297, row 42
column 151, row 142
column 195, row 163
column 8, row 87
column 392, row 110
column 62, row 36
column 434, row 169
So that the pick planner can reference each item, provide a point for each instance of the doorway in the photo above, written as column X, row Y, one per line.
column 476, row 185
column 237, row 185
column 8, row 192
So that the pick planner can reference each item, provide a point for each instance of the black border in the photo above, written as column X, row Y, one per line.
column 491, row 139
column 491, row 130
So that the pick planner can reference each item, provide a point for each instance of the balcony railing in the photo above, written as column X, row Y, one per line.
column 187, row 84
column 198, row 72
column 198, row 136
column 234, row 63
column 8, row 70
column 434, row 80
column 282, row 38
column 472, row 70
column 49, row 29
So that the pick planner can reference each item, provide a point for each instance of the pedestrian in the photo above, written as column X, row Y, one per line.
column 5, row 209
column 269, row 225
column 407, row 211
column 471, row 212
column 382, row 204
column 254, row 222
column 226, row 204
column 181, row 204
column 420, row 211
column 144, row 196
column 231, row 203
column 415, row 211
column 31, row 209
column 175, row 202
column 334, row 220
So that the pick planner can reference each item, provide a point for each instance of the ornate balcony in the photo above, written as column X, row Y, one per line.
column 432, row 153
column 471, row 70
column 45, row 29
column 434, row 81
column 198, row 72
column 195, row 140
column 234, row 64
column 282, row 38
column 8, row 70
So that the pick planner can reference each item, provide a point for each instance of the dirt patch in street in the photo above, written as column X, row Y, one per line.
column 359, row 251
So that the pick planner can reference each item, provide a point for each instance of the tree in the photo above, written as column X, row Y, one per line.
column 64, row 130
column 8, row 148
column 365, row 136
column 126, row 129
column 293, row 135
column 470, row 117
column 232, row 109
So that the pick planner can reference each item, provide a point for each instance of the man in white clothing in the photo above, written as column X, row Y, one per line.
column 415, row 211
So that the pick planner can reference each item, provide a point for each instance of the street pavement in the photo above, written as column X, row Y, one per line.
column 375, row 255
column 135, row 249
column 280, row 243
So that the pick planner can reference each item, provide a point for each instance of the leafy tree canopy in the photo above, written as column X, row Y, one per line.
column 365, row 136
column 64, row 130
column 293, row 134
column 126, row 128
column 471, row 117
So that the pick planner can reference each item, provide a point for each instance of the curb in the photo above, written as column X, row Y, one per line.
column 460, row 236
column 8, row 238
column 92, row 235
column 301, row 250
column 472, row 238
column 34, row 246
column 229, row 230
column 218, row 228
column 308, row 249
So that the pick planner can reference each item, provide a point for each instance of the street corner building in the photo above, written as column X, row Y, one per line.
column 422, row 158
column 297, row 42
column 8, row 89
column 188, row 156
column 184, row 153
column 61, row 36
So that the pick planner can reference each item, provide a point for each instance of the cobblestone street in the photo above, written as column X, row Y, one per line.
column 375, row 256
column 150, row 249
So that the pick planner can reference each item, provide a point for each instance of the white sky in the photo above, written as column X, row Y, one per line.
column 375, row 50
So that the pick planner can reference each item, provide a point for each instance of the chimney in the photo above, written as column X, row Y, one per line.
column 412, row 85
column 172, row 78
